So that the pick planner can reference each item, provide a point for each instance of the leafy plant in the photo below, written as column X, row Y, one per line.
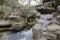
column 5, row 9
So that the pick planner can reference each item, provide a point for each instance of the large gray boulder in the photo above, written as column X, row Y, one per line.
column 43, row 27
column 17, row 26
column 56, row 15
column 54, row 28
column 48, row 6
column 37, row 32
column 51, row 32
column 14, row 15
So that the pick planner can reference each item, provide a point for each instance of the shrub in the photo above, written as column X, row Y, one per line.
column 5, row 9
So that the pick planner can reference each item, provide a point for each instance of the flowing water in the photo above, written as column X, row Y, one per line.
column 23, row 35
column 45, row 20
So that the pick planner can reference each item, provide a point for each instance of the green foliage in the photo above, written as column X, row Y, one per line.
column 1, row 2
column 57, row 2
column 5, row 9
column 27, row 8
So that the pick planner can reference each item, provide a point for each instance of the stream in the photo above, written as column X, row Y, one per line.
column 24, row 35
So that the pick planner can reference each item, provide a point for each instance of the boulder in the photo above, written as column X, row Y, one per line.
column 47, row 8
column 42, row 27
column 28, row 13
column 48, row 4
column 37, row 32
column 51, row 32
column 54, row 28
column 56, row 15
column 17, row 26
column 15, row 17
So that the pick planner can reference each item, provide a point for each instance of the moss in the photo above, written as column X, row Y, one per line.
column 56, row 3
column 1, row 2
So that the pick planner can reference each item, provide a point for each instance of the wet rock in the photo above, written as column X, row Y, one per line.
column 4, row 25
column 54, row 29
column 38, row 29
column 36, row 32
column 14, row 16
column 47, row 17
column 43, row 29
column 46, row 8
column 17, row 26
column 40, row 7
column 48, row 4
column 50, row 36
column 43, row 38
column 9, row 25
column 56, row 15
column 5, row 36
column 16, row 20
column 2, row 22
column 50, row 32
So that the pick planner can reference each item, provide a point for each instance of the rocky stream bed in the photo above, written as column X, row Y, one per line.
column 22, row 35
